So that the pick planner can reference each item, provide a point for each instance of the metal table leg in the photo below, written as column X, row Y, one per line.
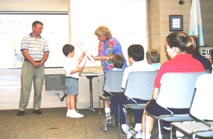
column 91, row 92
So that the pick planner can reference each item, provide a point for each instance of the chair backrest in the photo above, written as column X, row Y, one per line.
column 202, row 103
column 177, row 89
column 113, row 80
column 140, row 84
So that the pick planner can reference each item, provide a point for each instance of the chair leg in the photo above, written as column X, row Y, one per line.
column 193, row 136
column 126, row 118
column 99, row 106
column 105, row 126
column 171, row 132
column 119, row 124
column 159, row 130
column 99, row 110
column 100, row 115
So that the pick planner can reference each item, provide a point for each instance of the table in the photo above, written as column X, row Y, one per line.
column 90, row 75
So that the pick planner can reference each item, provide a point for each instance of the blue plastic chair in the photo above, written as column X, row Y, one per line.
column 112, row 85
column 201, row 110
column 176, row 91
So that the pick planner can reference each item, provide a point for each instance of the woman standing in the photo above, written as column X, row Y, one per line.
column 107, row 48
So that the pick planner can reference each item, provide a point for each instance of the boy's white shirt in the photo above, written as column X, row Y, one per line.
column 136, row 66
column 69, row 65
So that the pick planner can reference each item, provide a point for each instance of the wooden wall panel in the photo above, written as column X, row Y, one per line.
column 158, row 15
column 207, row 18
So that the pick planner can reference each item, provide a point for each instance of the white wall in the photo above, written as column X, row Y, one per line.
column 15, row 26
column 125, row 18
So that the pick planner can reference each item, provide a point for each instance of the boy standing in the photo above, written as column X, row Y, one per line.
column 72, row 72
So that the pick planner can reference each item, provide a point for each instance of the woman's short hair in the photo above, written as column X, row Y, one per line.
column 103, row 31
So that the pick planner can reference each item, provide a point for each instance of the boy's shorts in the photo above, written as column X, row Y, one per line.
column 72, row 86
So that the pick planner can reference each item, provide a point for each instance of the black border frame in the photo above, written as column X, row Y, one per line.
column 172, row 26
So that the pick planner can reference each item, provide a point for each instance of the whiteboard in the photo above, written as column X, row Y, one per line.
column 13, row 27
column 127, row 20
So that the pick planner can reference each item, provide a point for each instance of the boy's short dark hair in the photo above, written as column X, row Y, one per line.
column 67, row 48
column 136, row 51
column 118, row 61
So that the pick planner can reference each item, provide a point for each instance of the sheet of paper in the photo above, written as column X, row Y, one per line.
column 84, row 49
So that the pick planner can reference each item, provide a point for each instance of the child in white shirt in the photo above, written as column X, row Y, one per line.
column 72, row 69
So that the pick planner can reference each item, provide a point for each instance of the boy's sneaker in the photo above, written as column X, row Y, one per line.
column 67, row 114
column 74, row 114
column 129, row 131
column 138, row 135
column 108, row 120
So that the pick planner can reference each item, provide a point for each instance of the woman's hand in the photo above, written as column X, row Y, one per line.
column 103, row 58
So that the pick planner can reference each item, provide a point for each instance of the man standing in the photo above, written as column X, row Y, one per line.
column 35, row 51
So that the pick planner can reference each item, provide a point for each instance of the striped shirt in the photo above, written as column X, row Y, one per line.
column 35, row 46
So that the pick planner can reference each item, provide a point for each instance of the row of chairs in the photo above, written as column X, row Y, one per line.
column 201, row 111
column 187, row 91
column 139, row 85
column 176, row 91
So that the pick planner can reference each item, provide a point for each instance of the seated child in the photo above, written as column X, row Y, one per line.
column 153, row 58
column 118, row 62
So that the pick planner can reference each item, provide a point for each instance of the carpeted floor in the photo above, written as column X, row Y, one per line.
column 53, row 124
